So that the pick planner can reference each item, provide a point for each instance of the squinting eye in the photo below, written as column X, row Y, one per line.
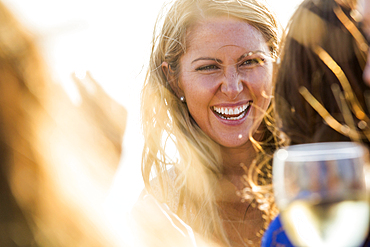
column 254, row 61
column 207, row 68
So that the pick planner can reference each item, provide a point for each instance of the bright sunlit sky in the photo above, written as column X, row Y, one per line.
column 111, row 39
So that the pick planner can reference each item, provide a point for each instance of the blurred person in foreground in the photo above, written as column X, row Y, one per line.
column 320, row 94
column 57, row 159
column 208, row 91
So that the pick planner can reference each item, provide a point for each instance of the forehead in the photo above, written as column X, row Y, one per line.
column 217, row 32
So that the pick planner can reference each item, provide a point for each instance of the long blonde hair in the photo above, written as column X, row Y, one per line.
column 165, row 117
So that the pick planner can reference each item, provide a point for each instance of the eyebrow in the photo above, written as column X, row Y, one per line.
column 238, row 60
column 207, row 58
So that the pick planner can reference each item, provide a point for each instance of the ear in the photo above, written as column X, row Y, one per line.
column 172, row 80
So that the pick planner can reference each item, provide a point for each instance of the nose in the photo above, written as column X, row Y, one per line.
column 231, row 85
column 366, row 74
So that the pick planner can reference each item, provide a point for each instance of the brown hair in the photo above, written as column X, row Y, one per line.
column 322, row 59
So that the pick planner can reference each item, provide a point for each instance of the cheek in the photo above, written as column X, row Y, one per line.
column 266, row 92
column 197, row 87
column 260, row 84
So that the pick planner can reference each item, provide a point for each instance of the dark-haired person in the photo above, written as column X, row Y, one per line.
column 320, row 94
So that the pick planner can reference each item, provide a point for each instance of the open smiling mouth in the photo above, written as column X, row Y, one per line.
column 232, row 113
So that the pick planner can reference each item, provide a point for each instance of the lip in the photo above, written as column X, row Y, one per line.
column 233, row 106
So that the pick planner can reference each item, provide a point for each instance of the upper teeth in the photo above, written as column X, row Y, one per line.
column 230, row 110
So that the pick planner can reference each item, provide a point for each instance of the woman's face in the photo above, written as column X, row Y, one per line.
column 226, row 78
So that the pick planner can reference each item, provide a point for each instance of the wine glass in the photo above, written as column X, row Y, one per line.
column 320, row 190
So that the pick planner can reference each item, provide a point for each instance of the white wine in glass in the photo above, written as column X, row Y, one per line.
column 321, row 193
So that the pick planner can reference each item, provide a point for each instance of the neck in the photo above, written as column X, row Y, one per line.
column 235, row 160
column 233, row 157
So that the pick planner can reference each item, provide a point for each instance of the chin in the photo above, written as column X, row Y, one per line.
column 240, row 142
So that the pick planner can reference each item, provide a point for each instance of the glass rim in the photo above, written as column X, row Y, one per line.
column 320, row 151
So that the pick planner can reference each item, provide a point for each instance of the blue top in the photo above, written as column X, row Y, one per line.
column 275, row 236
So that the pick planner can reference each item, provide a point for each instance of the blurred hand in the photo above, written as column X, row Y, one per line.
column 103, row 111
column 83, row 141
